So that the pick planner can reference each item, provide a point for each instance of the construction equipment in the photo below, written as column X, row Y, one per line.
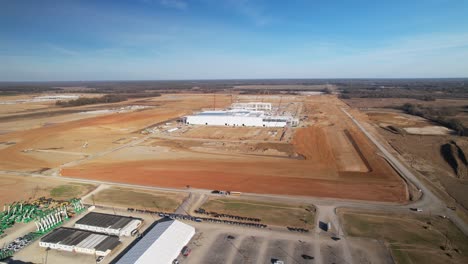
column 46, row 212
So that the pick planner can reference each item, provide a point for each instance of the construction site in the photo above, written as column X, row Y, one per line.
column 322, row 154
column 229, row 174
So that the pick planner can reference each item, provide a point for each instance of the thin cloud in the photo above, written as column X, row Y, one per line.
column 62, row 50
column 177, row 4
column 250, row 10
column 419, row 45
column 426, row 55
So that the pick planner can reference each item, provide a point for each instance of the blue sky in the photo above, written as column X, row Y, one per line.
column 219, row 39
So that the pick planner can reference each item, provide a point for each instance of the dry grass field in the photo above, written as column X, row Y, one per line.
column 146, row 200
column 279, row 214
column 325, row 156
column 16, row 188
column 411, row 239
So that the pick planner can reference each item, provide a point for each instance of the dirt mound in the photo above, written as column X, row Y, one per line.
column 456, row 158
column 356, row 147
column 429, row 130
column 394, row 129
column 279, row 147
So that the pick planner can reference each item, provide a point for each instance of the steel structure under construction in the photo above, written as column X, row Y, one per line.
column 253, row 106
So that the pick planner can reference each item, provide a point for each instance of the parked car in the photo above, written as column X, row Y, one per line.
column 277, row 261
column 186, row 251
column 99, row 259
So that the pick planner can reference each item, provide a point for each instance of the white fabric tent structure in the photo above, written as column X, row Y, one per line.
column 161, row 245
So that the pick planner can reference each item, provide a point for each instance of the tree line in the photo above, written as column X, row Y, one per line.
column 438, row 115
column 108, row 98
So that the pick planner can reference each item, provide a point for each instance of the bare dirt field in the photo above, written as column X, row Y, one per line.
column 429, row 156
column 16, row 188
column 397, row 119
column 387, row 102
column 338, row 161
column 369, row 104
column 415, row 125
column 440, row 158
column 411, row 238
column 234, row 133
column 325, row 156
column 266, row 87
column 85, row 136
column 19, row 113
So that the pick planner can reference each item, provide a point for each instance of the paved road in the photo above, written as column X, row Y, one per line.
column 184, row 207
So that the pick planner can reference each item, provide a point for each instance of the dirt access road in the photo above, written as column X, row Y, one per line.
column 429, row 201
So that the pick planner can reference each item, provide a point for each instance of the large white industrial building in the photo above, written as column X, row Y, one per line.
column 161, row 244
column 108, row 224
column 242, row 114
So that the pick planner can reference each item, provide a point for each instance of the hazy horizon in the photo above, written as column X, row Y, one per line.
column 240, row 79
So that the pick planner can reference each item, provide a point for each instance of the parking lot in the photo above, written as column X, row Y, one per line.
column 238, row 245
column 225, row 242
column 220, row 243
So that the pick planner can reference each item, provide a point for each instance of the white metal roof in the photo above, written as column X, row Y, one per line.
column 234, row 112
column 161, row 245
column 92, row 241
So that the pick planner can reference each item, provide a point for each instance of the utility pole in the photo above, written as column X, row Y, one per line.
column 279, row 105
column 47, row 254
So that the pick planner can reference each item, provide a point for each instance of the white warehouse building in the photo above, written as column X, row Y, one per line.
column 239, row 118
column 79, row 241
column 108, row 224
column 161, row 244
column 242, row 114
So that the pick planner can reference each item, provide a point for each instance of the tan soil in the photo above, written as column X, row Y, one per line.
column 322, row 173
column 17, row 188
column 333, row 166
